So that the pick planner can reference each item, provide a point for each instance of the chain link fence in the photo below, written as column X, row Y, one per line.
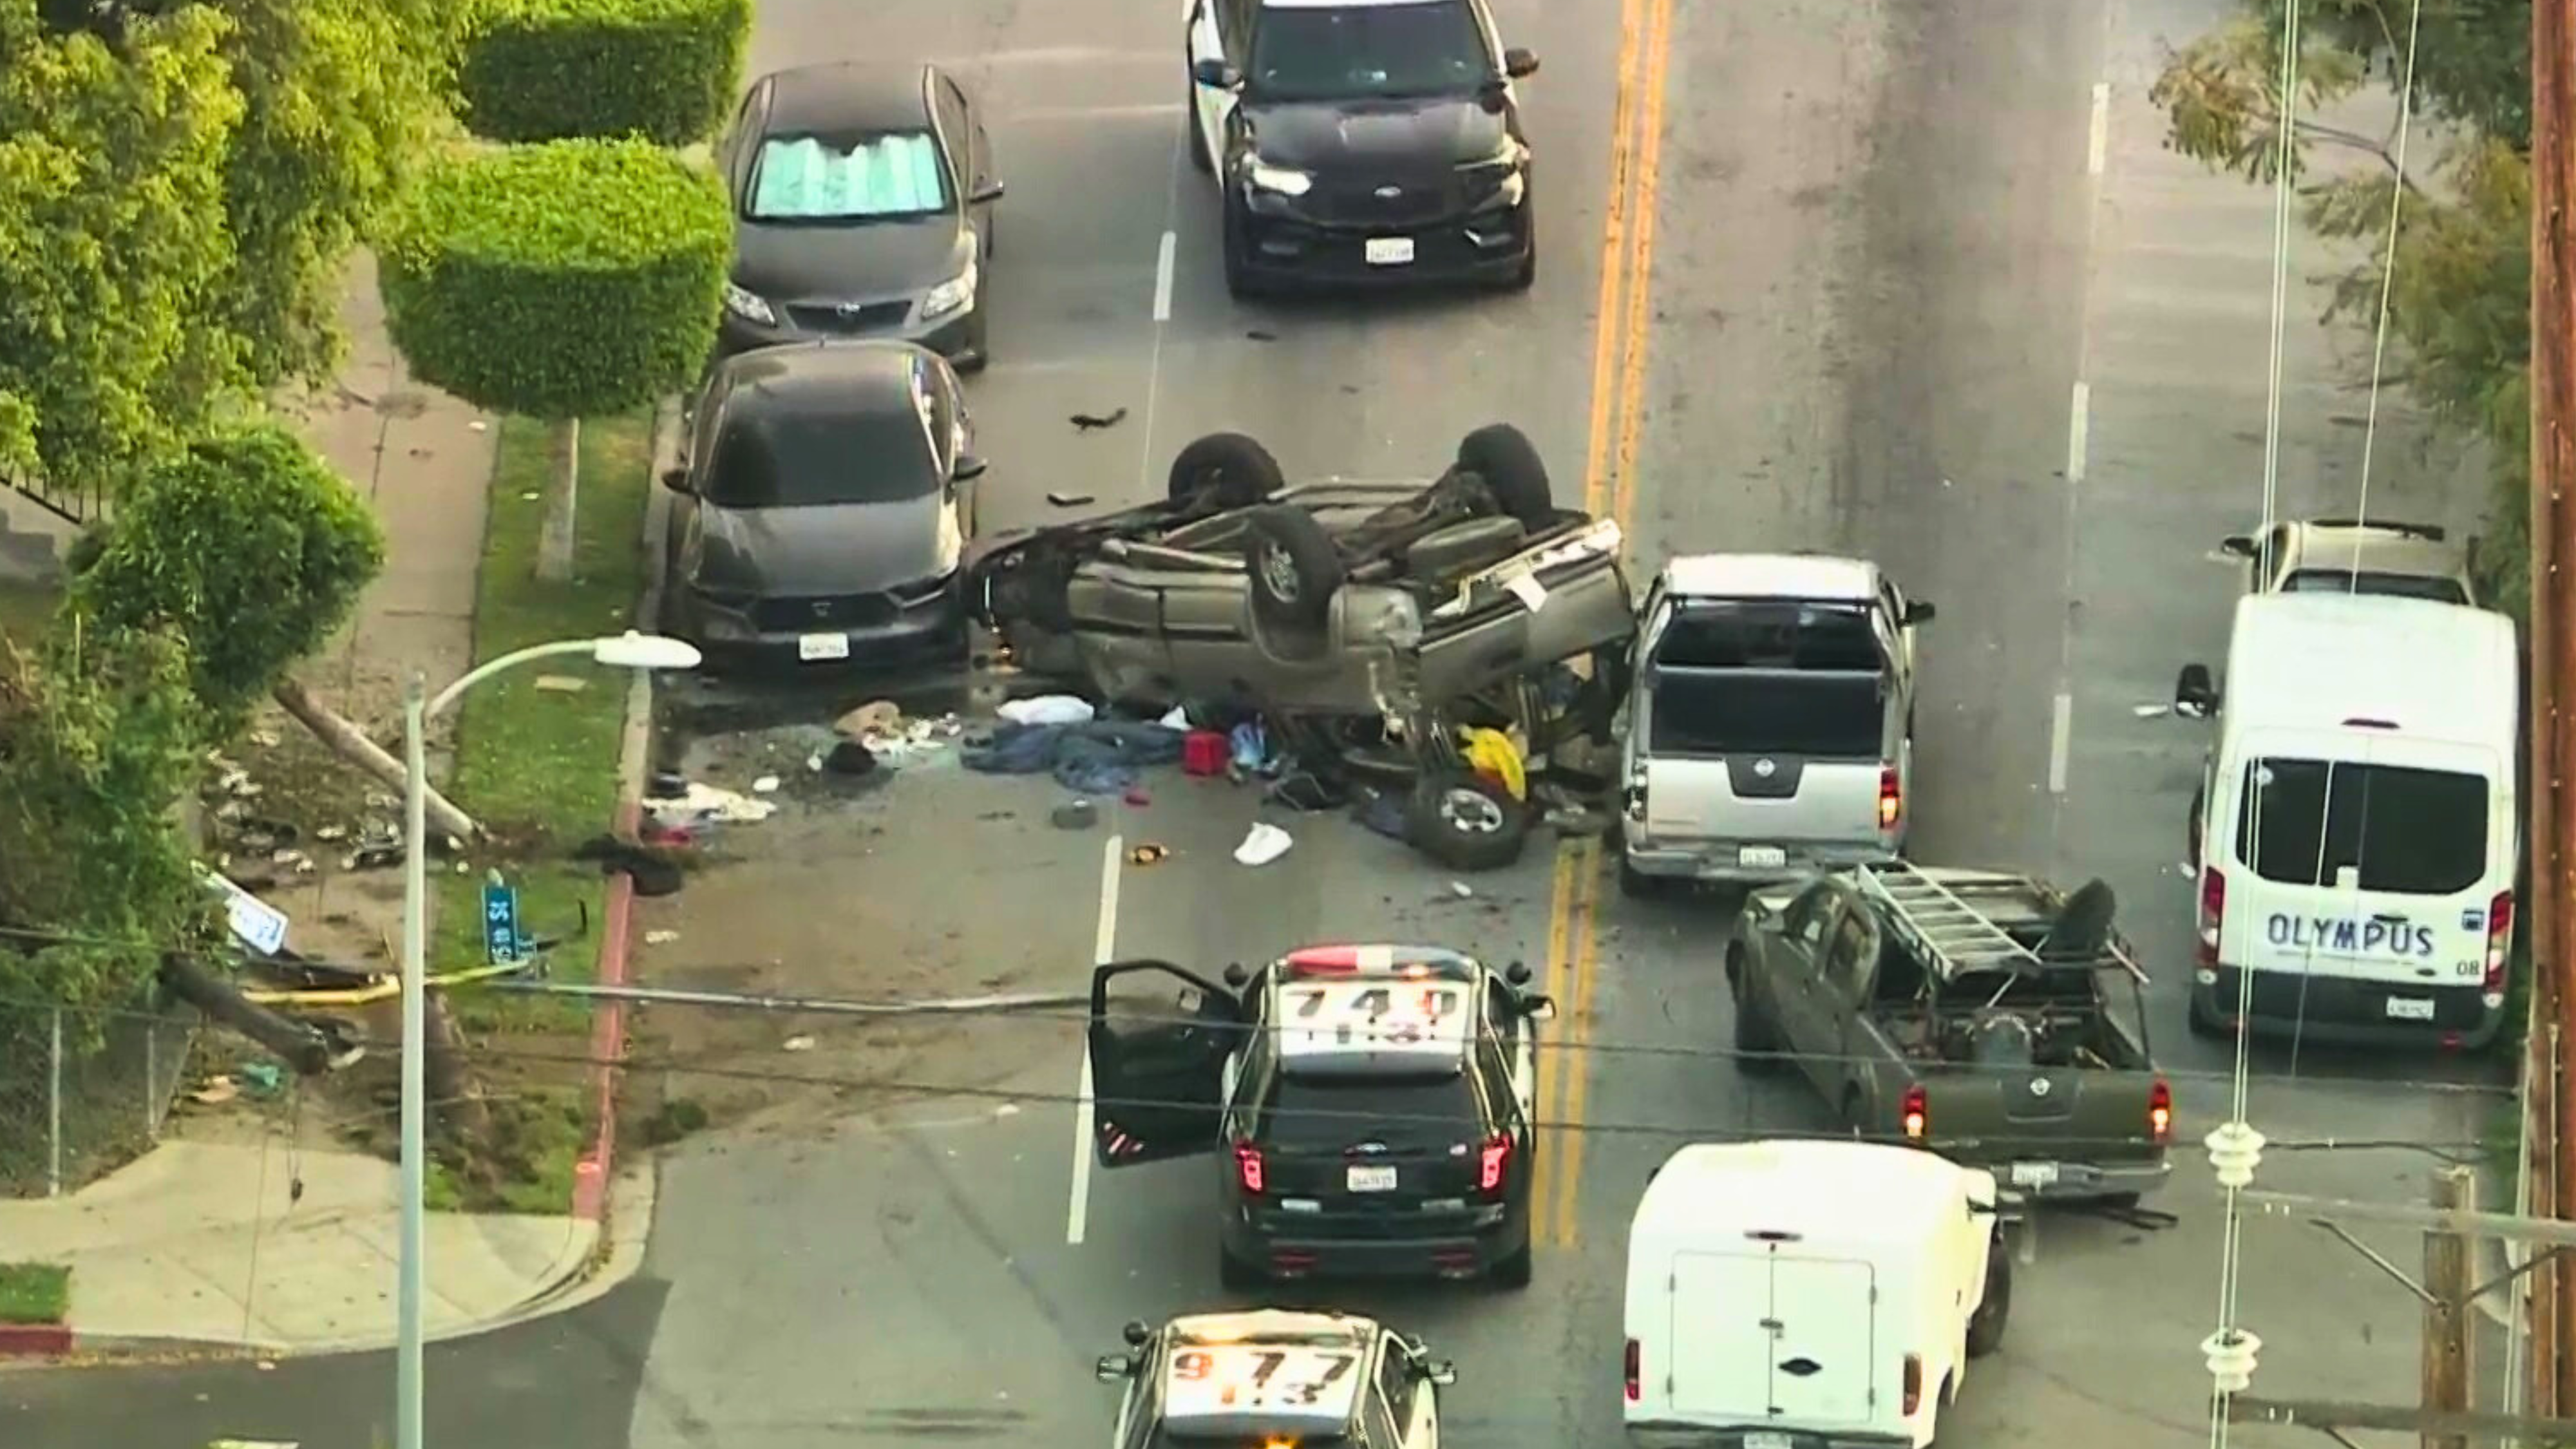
column 82, row 1094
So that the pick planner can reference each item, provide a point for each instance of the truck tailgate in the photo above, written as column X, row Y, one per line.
column 2042, row 1128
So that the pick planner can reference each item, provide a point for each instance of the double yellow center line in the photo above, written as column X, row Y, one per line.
column 1609, row 491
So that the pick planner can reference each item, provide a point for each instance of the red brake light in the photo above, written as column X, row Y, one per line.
column 1634, row 1360
column 1247, row 1167
column 1491, row 1161
column 2160, row 1111
column 2499, row 941
column 1891, row 798
column 2213, row 910
column 1913, row 1383
column 1918, row 1115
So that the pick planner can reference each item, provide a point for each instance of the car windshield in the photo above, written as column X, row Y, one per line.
column 812, row 459
column 1767, row 633
column 1327, row 1114
column 1766, row 712
column 1368, row 52
column 2406, row 831
column 2403, row 586
column 883, row 176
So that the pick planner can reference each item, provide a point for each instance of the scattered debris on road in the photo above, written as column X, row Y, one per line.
column 1087, row 422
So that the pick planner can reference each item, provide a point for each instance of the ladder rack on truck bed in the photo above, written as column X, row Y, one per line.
column 1941, row 916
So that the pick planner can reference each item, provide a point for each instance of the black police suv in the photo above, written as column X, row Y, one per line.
column 1371, row 1106
column 1362, row 141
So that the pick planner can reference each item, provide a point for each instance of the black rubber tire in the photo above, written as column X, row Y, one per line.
column 2202, row 1024
column 1235, row 467
column 1239, row 281
column 1197, row 134
column 1503, row 456
column 1235, row 1275
column 1513, row 1271
column 1757, row 1046
column 1986, row 1325
column 1294, row 569
column 1430, row 828
column 1527, row 276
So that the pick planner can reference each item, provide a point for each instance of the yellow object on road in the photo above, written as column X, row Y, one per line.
column 1491, row 752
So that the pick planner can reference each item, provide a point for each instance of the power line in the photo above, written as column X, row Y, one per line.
column 1600, row 1046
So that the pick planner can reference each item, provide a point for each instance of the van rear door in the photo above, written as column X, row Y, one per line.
column 2365, row 858
column 1769, row 1337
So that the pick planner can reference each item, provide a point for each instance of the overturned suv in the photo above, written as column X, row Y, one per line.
column 1358, row 609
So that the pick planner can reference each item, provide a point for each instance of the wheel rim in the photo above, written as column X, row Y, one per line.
column 1470, row 812
column 1279, row 573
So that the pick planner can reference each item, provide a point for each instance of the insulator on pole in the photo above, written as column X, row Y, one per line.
column 2234, row 1150
column 2230, row 1356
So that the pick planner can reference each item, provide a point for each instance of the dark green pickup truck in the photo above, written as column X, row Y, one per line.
column 1984, row 1015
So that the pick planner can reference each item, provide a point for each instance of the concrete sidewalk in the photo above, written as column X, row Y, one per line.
column 208, row 1246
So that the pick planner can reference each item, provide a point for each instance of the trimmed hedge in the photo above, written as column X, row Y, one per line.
column 565, row 280
column 248, row 545
column 550, row 70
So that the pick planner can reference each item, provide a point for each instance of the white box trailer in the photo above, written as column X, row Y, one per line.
column 1802, row 1294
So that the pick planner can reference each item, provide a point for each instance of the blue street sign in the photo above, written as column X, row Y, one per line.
column 501, row 941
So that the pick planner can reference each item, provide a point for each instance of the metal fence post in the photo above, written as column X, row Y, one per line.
column 152, row 1078
column 54, row 1110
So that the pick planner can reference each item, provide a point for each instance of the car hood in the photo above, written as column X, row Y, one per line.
column 863, row 259
column 1384, row 138
column 849, row 548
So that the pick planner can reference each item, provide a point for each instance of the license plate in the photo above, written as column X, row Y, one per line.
column 2034, row 1174
column 1388, row 251
column 1763, row 1440
column 810, row 647
column 2411, row 1008
column 1372, row 1179
column 1761, row 857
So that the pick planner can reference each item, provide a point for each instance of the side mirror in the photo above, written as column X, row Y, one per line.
column 967, row 468
column 2239, row 544
column 1215, row 72
column 1236, row 976
column 1136, row 1332
column 1518, row 63
column 1539, row 1008
column 676, row 479
column 2195, row 695
column 1440, row 1373
column 1918, row 611
column 1113, row 1367
column 1517, row 973
column 984, row 191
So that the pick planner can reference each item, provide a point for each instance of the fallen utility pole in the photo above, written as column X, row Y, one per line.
column 805, row 1005
column 2553, row 608
column 2449, row 1291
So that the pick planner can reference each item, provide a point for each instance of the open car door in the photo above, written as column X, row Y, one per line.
column 1158, row 1052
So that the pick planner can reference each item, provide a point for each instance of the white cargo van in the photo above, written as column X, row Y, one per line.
column 2355, row 840
column 1808, row 1294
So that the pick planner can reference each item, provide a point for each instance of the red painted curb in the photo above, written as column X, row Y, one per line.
column 35, row 1340
column 608, row 1031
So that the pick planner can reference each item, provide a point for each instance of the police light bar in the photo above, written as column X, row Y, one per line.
column 1418, row 962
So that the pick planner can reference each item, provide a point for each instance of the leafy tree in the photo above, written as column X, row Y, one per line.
column 248, row 545
column 113, row 244
column 2459, row 302
column 549, row 70
column 563, row 280
column 99, row 742
column 340, row 99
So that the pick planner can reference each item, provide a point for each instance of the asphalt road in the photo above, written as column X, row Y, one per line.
column 1904, row 277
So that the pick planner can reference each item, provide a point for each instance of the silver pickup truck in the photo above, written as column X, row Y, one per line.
column 1770, row 720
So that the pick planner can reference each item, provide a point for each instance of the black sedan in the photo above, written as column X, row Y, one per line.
column 863, row 207
column 824, row 507
column 1362, row 141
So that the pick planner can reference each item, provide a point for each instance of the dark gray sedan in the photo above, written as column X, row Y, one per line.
column 824, row 508
column 863, row 207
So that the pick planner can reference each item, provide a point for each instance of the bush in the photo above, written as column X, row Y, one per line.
column 248, row 546
column 564, row 280
column 548, row 70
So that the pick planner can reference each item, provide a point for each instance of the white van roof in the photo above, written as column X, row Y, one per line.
column 1823, row 1190
column 2316, row 661
column 1771, row 576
